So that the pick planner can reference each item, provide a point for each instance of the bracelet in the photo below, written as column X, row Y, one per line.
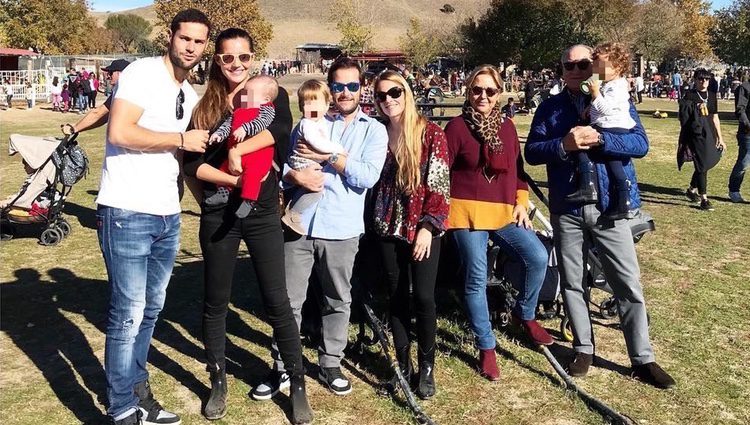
column 182, row 142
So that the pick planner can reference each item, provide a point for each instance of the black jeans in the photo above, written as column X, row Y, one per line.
column 700, row 181
column 401, row 271
column 92, row 99
column 220, row 235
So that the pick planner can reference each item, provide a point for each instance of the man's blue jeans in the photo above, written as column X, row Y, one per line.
column 139, row 251
column 742, row 164
column 524, row 247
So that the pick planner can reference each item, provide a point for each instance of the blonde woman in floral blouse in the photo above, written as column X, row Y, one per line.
column 410, row 210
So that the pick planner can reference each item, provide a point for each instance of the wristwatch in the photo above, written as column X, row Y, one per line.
column 333, row 158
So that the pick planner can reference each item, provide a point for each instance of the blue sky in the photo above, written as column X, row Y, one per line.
column 117, row 5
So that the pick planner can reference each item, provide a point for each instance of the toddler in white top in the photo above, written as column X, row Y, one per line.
column 314, row 101
column 609, row 112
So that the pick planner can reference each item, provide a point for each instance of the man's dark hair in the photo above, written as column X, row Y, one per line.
column 345, row 62
column 189, row 15
column 701, row 73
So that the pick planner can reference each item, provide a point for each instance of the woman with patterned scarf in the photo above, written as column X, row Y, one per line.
column 410, row 207
column 489, row 200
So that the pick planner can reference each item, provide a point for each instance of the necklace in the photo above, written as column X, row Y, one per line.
column 701, row 97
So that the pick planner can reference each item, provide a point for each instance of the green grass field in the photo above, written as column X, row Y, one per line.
column 695, row 273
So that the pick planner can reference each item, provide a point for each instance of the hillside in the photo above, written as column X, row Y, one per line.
column 295, row 22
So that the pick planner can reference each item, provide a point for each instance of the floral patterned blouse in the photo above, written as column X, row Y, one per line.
column 399, row 215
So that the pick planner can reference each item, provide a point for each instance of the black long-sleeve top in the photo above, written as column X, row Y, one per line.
column 215, row 155
column 742, row 107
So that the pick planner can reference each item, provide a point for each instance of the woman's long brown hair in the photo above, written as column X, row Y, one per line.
column 213, row 106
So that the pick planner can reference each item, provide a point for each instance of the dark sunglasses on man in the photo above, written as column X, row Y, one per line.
column 393, row 92
column 339, row 87
column 491, row 92
column 227, row 58
column 179, row 111
column 582, row 65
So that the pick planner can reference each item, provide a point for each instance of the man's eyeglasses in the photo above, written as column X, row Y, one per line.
column 477, row 91
column 179, row 111
column 339, row 87
column 393, row 92
column 582, row 65
column 227, row 58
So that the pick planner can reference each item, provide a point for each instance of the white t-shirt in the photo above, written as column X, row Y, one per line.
column 611, row 109
column 146, row 182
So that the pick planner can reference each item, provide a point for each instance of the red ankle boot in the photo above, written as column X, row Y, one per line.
column 488, row 364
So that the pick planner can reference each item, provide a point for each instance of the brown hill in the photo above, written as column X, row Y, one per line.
column 297, row 22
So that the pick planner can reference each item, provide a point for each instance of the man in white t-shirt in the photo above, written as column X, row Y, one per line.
column 138, row 214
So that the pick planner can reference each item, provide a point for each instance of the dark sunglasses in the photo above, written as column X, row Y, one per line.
column 582, row 65
column 477, row 91
column 339, row 87
column 179, row 111
column 393, row 92
column 228, row 58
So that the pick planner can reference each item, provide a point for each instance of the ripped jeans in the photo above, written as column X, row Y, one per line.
column 139, row 251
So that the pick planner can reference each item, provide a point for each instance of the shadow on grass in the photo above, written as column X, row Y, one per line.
column 34, row 316
column 86, row 216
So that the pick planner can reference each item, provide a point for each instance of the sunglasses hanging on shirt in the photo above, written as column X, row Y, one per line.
column 179, row 110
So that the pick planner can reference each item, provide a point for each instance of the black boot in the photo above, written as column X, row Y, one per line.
column 216, row 406
column 586, row 193
column 301, row 411
column 403, row 358
column 622, row 208
column 426, row 386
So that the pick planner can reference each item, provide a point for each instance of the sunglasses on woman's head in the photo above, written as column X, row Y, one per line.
column 393, row 92
column 339, row 87
column 179, row 111
column 477, row 91
column 227, row 58
column 582, row 65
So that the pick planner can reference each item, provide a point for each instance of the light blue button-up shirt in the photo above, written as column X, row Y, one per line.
column 340, row 212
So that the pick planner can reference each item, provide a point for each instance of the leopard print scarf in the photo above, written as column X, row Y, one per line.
column 485, row 129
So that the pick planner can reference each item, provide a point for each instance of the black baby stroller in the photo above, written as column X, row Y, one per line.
column 501, row 271
column 54, row 166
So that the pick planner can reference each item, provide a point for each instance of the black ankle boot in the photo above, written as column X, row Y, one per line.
column 216, row 406
column 403, row 358
column 622, row 208
column 301, row 411
column 426, row 385
column 586, row 193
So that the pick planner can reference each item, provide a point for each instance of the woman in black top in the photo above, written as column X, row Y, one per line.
column 221, row 231
column 700, row 136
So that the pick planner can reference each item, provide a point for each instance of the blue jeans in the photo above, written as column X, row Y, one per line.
column 82, row 102
column 139, row 251
column 742, row 164
column 523, row 247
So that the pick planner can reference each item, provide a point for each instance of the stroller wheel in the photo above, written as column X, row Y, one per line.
column 566, row 330
column 64, row 227
column 608, row 308
column 50, row 237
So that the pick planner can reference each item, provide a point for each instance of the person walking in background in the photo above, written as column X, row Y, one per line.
column 700, row 136
column 8, row 89
column 677, row 84
column 56, row 92
column 742, row 110
column 93, row 86
column 639, row 87
column 30, row 95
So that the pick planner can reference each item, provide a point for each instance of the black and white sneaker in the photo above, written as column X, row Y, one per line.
column 275, row 381
column 335, row 380
column 153, row 413
column 706, row 205
column 692, row 195
column 135, row 418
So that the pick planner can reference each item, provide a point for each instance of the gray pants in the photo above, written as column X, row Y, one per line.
column 614, row 242
column 333, row 261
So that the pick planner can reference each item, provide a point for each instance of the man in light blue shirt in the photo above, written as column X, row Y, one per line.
column 333, row 226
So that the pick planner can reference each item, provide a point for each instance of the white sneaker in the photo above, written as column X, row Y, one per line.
column 736, row 197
